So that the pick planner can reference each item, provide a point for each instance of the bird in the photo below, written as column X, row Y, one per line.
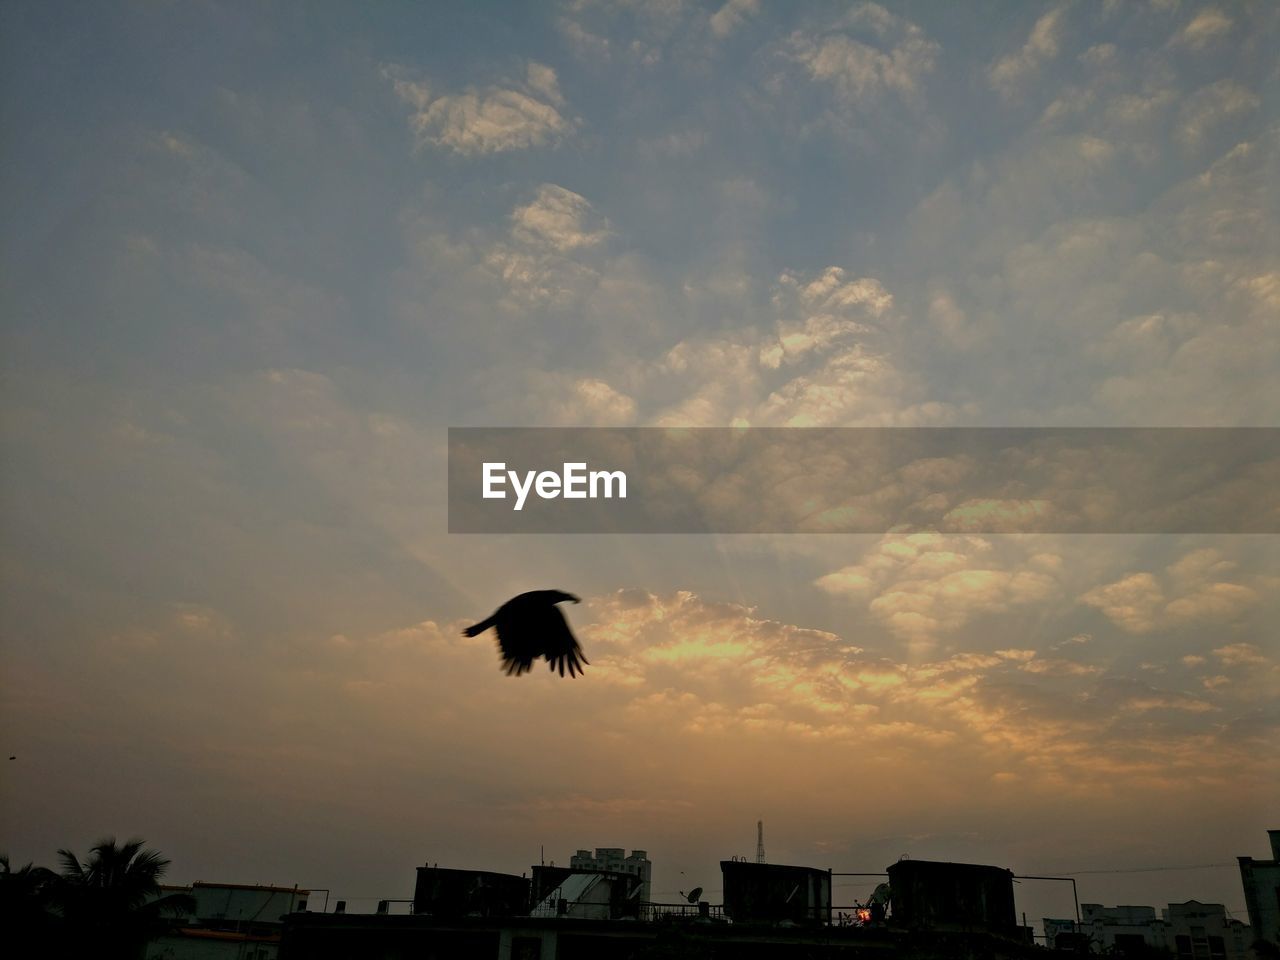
column 531, row 626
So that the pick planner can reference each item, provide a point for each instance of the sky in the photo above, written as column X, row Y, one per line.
column 258, row 258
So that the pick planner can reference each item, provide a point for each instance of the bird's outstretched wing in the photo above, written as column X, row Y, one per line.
column 518, row 640
column 559, row 645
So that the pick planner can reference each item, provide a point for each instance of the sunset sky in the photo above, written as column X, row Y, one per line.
column 259, row 257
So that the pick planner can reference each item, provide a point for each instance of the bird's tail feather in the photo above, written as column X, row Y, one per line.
column 479, row 628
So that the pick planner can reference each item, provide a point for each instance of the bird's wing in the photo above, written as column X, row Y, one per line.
column 518, row 642
column 559, row 645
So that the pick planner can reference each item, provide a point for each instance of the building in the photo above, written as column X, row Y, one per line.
column 230, row 921
column 1261, row 881
column 770, row 912
column 1195, row 929
column 928, row 894
column 330, row 936
column 441, row 892
column 1063, row 935
column 1186, row 930
column 615, row 860
column 591, row 896
column 775, row 893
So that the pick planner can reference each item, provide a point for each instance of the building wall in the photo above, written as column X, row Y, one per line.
column 314, row 936
column 616, row 860
column 773, row 893
column 1124, row 914
column 1190, row 929
column 1261, row 882
column 444, row 892
column 229, row 922
column 516, row 943
column 1199, row 925
column 234, row 904
column 582, row 896
column 180, row 947
column 960, row 896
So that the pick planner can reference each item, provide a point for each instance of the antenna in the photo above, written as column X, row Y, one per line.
column 759, row 841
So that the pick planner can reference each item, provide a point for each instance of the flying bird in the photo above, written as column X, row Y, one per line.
column 531, row 626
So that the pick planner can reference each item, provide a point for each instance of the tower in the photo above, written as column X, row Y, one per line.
column 759, row 841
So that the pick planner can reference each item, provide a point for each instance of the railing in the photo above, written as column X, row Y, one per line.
column 681, row 911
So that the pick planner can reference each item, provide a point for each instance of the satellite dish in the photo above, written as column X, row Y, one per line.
column 881, row 894
column 694, row 894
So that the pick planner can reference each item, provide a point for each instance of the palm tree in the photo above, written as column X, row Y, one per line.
column 26, row 899
column 111, row 904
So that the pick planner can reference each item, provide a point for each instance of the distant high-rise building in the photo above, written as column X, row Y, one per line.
column 1261, row 881
column 615, row 859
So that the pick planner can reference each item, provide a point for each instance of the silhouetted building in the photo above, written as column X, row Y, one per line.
column 328, row 936
column 469, row 893
column 230, row 920
column 585, row 894
column 931, row 895
column 592, row 895
column 774, row 893
column 1187, row 930
column 1261, row 881
column 615, row 860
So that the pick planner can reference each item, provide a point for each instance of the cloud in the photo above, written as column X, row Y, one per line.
column 1151, row 308
column 1217, row 103
column 587, row 402
column 1191, row 591
column 637, row 32
column 493, row 120
column 1134, row 602
column 829, row 306
column 725, row 20
column 865, row 55
column 1009, row 74
column 821, row 356
column 720, row 673
column 583, row 42
column 825, row 363
column 557, row 218
column 1205, row 28
column 1062, row 668
column 538, row 262
column 1240, row 655
column 922, row 587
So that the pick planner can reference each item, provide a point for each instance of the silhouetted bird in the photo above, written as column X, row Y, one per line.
column 531, row 626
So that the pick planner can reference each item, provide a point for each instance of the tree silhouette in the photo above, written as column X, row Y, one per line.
column 26, row 899
column 111, row 904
